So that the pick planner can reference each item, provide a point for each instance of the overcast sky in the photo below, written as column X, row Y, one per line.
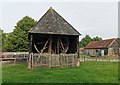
column 93, row 18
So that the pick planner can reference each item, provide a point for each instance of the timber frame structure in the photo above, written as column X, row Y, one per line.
column 53, row 42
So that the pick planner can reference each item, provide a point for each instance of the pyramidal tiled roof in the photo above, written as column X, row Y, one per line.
column 101, row 44
column 52, row 23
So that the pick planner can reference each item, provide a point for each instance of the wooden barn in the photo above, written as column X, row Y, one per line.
column 53, row 42
column 108, row 47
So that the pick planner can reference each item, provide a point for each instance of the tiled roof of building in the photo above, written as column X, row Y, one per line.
column 52, row 23
column 101, row 44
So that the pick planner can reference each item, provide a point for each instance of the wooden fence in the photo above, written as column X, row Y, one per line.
column 14, row 54
column 13, row 57
column 108, row 59
column 52, row 60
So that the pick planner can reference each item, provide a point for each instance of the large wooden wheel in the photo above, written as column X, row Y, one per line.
column 57, row 46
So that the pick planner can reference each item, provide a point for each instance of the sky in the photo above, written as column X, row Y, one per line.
column 95, row 18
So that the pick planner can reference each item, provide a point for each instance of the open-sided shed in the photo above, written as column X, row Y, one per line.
column 53, row 42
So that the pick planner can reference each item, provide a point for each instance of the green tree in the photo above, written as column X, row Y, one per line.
column 2, row 40
column 85, row 41
column 118, row 40
column 88, row 39
column 97, row 38
column 18, row 39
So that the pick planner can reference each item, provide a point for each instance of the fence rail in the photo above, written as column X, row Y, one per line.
column 99, row 59
column 53, row 60
column 13, row 57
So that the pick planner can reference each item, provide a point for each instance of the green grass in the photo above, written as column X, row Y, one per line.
column 87, row 72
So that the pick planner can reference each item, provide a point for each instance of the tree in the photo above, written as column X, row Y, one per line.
column 97, row 38
column 88, row 39
column 18, row 39
column 118, row 40
column 85, row 41
column 2, row 40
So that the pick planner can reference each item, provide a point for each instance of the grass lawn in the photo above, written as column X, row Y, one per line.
column 87, row 72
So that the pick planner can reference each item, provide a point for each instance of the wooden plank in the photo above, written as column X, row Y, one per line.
column 62, row 44
column 36, row 48
column 44, row 46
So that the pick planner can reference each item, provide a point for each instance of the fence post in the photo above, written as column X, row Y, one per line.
column 32, row 61
column 109, row 58
column 96, row 58
column 49, row 61
column 67, row 60
column 29, row 63
column 84, row 58
column 60, row 59
column 74, row 61
column 24, row 55
column 14, row 61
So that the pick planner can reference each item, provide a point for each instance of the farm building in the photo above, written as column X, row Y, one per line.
column 108, row 47
column 53, row 42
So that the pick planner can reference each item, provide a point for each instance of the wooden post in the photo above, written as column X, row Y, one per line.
column 30, row 51
column 50, row 46
column 84, row 58
column 30, row 45
column 60, row 60
column 50, row 51
column 29, row 62
column 32, row 65
column 67, row 60
column 49, row 65
column 14, row 61
column 55, row 48
column 78, row 52
column 96, row 58
column 58, row 45
column 74, row 60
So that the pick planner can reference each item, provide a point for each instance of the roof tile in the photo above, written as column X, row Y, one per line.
column 100, row 44
column 52, row 23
